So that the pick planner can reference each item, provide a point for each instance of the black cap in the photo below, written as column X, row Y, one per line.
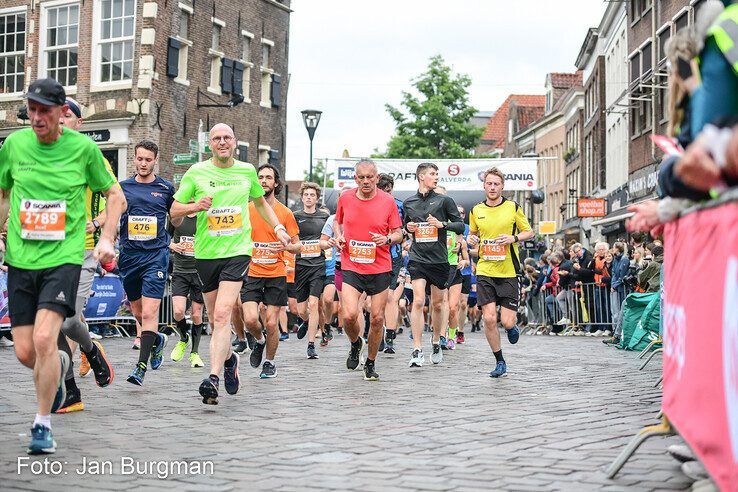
column 48, row 92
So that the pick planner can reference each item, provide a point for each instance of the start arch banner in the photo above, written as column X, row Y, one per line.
column 453, row 174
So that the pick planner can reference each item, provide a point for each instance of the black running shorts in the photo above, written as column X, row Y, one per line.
column 372, row 284
column 187, row 285
column 309, row 281
column 213, row 272
column 433, row 273
column 465, row 284
column 53, row 288
column 454, row 276
column 270, row 291
column 504, row 292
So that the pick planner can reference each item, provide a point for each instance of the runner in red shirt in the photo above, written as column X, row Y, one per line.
column 366, row 225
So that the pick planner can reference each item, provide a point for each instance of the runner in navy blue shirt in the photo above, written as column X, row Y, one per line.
column 144, row 252
column 466, row 283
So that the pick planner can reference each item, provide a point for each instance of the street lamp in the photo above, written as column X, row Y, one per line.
column 311, row 118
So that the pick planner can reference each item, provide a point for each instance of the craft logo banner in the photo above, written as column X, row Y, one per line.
column 454, row 175
column 700, row 321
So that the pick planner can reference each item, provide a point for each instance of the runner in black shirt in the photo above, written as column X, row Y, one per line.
column 310, row 265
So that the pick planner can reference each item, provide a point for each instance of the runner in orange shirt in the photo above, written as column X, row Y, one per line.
column 266, row 280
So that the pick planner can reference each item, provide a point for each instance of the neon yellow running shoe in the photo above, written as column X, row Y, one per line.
column 179, row 350
column 195, row 360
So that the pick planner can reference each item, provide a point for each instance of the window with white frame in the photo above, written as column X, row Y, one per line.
column 178, row 50
column 12, row 52
column 216, row 56
column 246, row 39
column 266, row 73
column 59, row 38
column 117, row 29
column 246, row 46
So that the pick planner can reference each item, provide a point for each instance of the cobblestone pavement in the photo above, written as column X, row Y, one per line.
column 567, row 408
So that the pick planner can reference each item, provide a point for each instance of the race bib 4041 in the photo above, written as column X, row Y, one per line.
column 141, row 228
column 491, row 251
column 362, row 251
column 43, row 220
column 426, row 233
column 310, row 249
column 225, row 221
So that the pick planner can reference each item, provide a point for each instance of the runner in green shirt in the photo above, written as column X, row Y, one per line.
column 221, row 188
column 44, row 175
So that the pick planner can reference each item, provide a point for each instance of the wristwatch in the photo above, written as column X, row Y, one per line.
column 516, row 238
column 389, row 239
column 95, row 224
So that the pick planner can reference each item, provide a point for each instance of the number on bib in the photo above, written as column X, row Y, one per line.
column 189, row 245
column 426, row 233
column 362, row 251
column 225, row 221
column 141, row 228
column 491, row 251
column 262, row 255
column 43, row 220
column 310, row 249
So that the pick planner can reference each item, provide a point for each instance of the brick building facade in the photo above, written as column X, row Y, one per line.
column 148, row 69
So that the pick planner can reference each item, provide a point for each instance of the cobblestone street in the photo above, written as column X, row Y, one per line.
column 564, row 412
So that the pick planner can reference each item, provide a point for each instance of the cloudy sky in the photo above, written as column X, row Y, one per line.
column 349, row 58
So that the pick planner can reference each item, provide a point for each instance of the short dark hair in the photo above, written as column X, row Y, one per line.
column 309, row 185
column 277, row 178
column 148, row 145
column 385, row 181
column 424, row 166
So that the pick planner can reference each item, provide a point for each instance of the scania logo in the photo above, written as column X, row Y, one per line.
column 454, row 170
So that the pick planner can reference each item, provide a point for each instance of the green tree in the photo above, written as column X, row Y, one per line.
column 319, row 173
column 436, row 124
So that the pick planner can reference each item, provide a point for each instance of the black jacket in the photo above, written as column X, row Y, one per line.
column 586, row 273
column 417, row 208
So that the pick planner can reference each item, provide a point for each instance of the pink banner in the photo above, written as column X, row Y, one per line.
column 700, row 323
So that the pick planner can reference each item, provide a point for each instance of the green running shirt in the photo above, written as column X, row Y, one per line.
column 48, row 183
column 223, row 231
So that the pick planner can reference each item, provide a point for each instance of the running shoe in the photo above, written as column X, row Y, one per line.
column 417, row 358
column 364, row 350
column 443, row 343
column 94, row 335
column 451, row 344
column 84, row 366
column 513, row 335
column 389, row 344
column 250, row 340
column 136, row 343
column 257, row 354
column 179, row 350
column 460, row 338
column 302, row 330
column 500, row 370
column 73, row 402
column 352, row 362
column 611, row 341
column 101, row 367
column 329, row 332
column 6, row 342
column 241, row 346
column 195, row 360
column 209, row 391
column 311, row 353
column 284, row 336
column 437, row 355
column 369, row 373
column 323, row 340
column 42, row 441
column 61, row 391
column 268, row 371
column 138, row 374
column 157, row 353
column 230, row 376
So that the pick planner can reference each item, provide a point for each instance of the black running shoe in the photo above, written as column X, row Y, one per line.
column 311, row 353
column 257, row 354
column 209, row 391
column 369, row 373
column 230, row 377
column 101, row 368
column 329, row 333
column 302, row 330
column 250, row 340
column 352, row 362
column 323, row 340
column 240, row 347
column 268, row 371
column 389, row 342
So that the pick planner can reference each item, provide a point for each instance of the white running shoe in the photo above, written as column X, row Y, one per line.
column 417, row 358
column 437, row 355
column 564, row 321
column 5, row 342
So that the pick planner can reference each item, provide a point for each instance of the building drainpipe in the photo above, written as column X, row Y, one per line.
column 654, row 63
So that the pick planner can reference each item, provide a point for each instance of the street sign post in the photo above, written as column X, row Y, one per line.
column 184, row 159
column 178, row 177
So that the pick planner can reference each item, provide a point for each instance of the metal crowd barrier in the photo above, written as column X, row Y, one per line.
column 581, row 309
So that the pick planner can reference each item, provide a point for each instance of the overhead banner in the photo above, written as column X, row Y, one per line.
column 701, row 337
column 453, row 174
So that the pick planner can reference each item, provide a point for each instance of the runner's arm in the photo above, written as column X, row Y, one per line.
column 454, row 222
column 4, row 210
column 114, row 208
column 295, row 245
column 267, row 213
